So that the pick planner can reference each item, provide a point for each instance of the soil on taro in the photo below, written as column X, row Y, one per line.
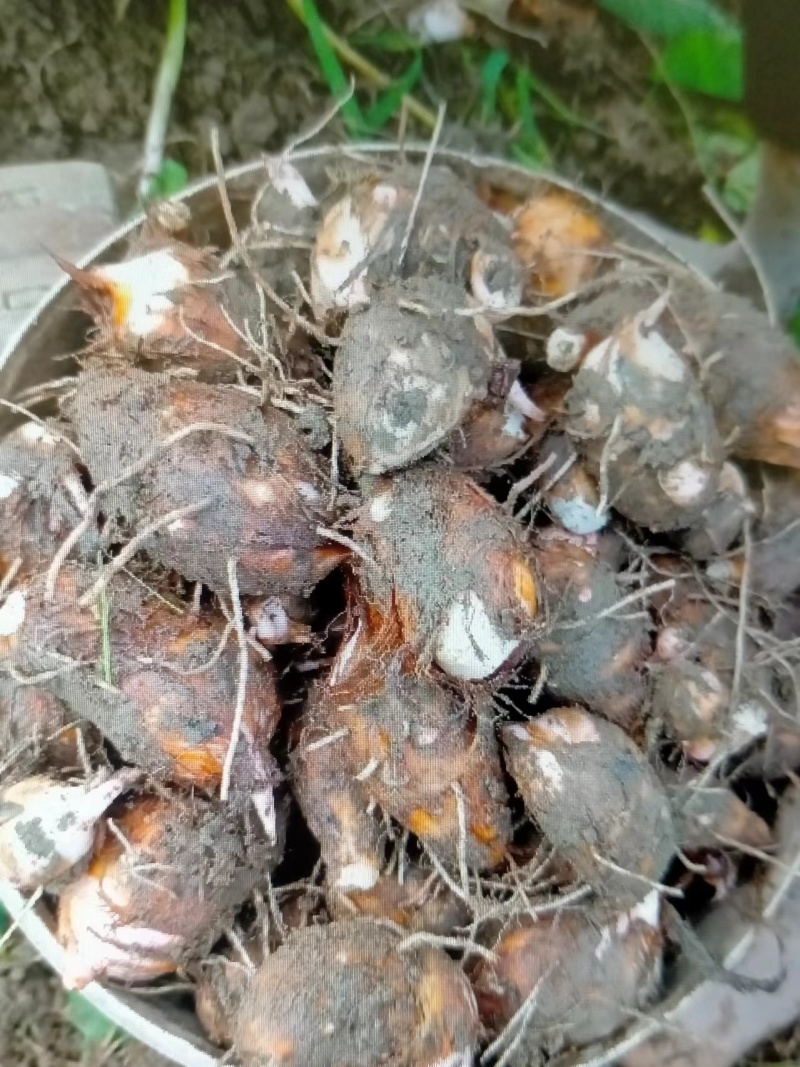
column 75, row 83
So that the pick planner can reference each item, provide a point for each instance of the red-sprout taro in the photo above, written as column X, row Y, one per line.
column 583, row 972
column 406, row 375
column 220, row 479
column 171, row 302
column 374, row 733
column 166, row 882
column 453, row 566
column 638, row 415
column 169, row 703
column 368, row 237
column 596, row 798
column 590, row 651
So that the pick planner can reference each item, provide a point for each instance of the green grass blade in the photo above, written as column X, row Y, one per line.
column 91, row 1024
column 559, row 108
column 330, row 66
column 491, row 73
column 668, row 18
column 388, row 103
column 524, row 101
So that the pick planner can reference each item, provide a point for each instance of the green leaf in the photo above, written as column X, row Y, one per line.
column 330, row 66
column 172, row 177
column 389, row 102
column 529, row 146
column 91, row 1024
column 491, row 73
column 705, row 61
column 668, row 18
column 5, row 920
column 533, row 156
column 558, row 107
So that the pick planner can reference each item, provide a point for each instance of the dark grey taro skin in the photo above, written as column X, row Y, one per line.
column 406, row 374
column 596, row 798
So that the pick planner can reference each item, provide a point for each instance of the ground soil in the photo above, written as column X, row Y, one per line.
column 75, row 83
column 34, row 1027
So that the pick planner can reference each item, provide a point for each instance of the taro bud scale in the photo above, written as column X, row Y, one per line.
column 638, row 415
column 159, row 892
column 593, row 968
column 453, row 566
column 344, row 993
column 255, row 486
column 48, row 827
column 596, row 799
column 164, row 714
column 406, row 375
column 454, row 238
column 170, row 302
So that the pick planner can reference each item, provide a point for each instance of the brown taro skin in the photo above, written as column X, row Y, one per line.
column 421, row 904
column 754, row 388
column 455, row 569
column 259, row 485
column 36, row 725
column 161, row 712
column 595, row 797
column 159, row 891
column 592, row 969
column 41, row 497
column 343, row 994
column 374, row 731
column 598, row 661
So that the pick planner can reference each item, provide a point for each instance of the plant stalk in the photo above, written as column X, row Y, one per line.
column 163, row 90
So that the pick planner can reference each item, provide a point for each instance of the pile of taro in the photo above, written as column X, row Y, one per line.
column 398, row 647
